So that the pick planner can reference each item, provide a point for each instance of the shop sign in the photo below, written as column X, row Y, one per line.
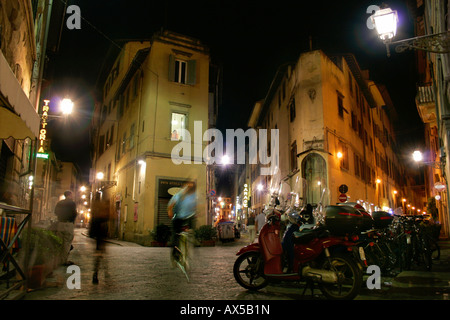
column 246, row 195
column 43, row 130
column 439, row 186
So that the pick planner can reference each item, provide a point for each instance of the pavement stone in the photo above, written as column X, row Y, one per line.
column 130, row 271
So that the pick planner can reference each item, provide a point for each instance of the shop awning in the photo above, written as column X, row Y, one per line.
column 11, row 125
column 18, row 118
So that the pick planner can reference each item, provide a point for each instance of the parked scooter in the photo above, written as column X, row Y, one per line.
column 319, row 258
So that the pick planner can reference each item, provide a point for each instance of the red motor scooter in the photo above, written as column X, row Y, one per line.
column 318, row 258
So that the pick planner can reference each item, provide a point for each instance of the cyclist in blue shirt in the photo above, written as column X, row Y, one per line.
column 182, row 208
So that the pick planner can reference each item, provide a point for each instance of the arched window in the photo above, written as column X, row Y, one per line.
column 314, row 171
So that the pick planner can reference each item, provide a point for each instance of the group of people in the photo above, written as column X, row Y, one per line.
column 66, row 213
column 254, row 224
column 182, row 209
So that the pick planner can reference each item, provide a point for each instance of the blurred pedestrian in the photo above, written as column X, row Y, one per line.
column 182, row 209
column 251, row 227
column 99, row 230
column 66, row 211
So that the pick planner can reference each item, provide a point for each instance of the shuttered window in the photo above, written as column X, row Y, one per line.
column 182, row 71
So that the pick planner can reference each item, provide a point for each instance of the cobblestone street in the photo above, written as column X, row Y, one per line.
column 133, row 272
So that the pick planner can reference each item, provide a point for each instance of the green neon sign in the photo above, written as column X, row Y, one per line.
column 42, row 155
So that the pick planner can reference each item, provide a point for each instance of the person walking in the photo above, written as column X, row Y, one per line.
column 66, row 212
column 99, row 230
column 251, row 227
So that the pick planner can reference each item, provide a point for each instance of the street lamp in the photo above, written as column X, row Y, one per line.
column 66, row 106
column 417, row 156
column 225, row 160
column 385, row 22
column 100, row 175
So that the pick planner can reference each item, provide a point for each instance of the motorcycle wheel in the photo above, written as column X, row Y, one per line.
column 349, row 278
column 248, row 271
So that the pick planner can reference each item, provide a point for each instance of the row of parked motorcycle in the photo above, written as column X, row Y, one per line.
column 328, row 246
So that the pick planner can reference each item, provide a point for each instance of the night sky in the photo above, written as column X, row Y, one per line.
column 249, row 38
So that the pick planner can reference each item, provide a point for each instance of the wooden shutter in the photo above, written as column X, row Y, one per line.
column 171, row 67
column 191, row 71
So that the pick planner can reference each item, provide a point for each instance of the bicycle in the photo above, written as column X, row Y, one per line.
column 184, row 252
column 416, row 246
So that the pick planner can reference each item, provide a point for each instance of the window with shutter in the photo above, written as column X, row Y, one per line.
column 124, row 142
column 292, row 110
column 182, row 71
column 340, row 105
column 171, row 68
column 191, row 72
column 293, row 156
column 101, row 145
column 132, row 129
column 111, row 137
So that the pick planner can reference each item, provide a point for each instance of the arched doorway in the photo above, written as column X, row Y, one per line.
column 314, row 171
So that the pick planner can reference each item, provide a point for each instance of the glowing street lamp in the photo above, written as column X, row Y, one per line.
column 385, row 21
column 225, row 159
column 66, row 106
column 417, row 156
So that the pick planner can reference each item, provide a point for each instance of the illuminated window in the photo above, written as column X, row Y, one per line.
column 177, row 125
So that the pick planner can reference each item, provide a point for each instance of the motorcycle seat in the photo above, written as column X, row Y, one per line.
column 307, row 235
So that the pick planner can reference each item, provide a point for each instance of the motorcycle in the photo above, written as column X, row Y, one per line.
column 319, row 258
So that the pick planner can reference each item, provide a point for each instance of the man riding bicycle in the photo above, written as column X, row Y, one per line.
column 182, row 208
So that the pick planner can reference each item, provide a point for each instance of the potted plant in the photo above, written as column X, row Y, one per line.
column 206, row 235
column 161, row 235
column 45, row 254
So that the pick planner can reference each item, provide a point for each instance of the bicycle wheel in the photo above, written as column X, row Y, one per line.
column 434, row 248
column 187, row 249
column 182, row 260
column 407, row 253
column 425, row 253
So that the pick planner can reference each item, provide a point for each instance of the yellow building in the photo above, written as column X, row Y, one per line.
column 21, row 63
column 335, row 128
column 154, row 91
column 433, row 108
